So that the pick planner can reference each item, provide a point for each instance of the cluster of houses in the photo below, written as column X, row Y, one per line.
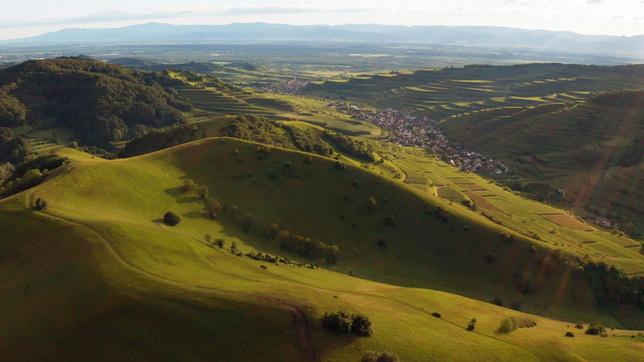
column 293, row 86
column 405, row 129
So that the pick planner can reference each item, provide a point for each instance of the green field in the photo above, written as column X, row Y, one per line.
column 98, row 274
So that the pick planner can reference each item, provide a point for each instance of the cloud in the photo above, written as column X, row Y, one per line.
column 593, row 2
column 102, row 17
column 117, row 16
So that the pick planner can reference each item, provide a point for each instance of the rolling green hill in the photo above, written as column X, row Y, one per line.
column 592, row 151
column 98, row 274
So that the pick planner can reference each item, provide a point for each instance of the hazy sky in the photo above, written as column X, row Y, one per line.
column 20, row 18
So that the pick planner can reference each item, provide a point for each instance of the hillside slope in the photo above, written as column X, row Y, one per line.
column 99, row 253
column 592, row 151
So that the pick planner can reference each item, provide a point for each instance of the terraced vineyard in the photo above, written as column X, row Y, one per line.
column 549, row 225
column 38, row 146
column 592, row 151
column 221, row 104
column 453, row 92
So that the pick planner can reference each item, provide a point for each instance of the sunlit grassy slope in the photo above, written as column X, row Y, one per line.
column 98, row 275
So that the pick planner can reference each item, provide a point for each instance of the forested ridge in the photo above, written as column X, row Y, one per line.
column 99, row 102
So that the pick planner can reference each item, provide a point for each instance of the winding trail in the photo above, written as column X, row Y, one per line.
column 300, row 320
column 302, row 329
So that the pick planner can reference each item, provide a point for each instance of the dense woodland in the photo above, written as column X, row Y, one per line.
column 100, row 103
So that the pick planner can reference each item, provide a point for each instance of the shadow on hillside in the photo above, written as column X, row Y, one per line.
column 197, row 215
column 180, row 196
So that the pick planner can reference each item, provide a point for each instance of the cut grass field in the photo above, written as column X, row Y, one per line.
column 100, row 278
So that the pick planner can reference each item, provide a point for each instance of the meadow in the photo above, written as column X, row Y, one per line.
column 99, row 253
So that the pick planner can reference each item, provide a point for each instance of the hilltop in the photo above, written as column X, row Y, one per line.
column 101, row 245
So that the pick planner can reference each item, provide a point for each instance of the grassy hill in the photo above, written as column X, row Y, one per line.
column 592, row 151
column 97, row 274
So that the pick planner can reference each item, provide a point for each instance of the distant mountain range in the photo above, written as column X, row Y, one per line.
column 494, row 37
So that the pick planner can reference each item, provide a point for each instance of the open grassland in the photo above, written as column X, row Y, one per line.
column 98, row 275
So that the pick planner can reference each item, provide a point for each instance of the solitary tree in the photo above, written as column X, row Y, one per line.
column 361, row 325
column 471, row 325
column 203, row 192
column 188, row 185
column 171, row 219
column 41, row 204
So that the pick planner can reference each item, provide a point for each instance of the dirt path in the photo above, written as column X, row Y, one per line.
column 302, row 329
column 300, row 321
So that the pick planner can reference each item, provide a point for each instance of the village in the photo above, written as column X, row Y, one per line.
column 293, row 86
column 405, row 129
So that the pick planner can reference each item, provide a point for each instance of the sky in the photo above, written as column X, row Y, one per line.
column 23, row 18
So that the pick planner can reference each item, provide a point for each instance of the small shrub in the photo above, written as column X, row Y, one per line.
column 361, row 325
column 339, row 322
column 203, row 192
column 220, row 243
column 342, row 322
column 471, row 325
column 213, row 206
column 569, row 334
column 41, row 204
column 579, row 326
column 436, row 315
column 511, row 323
column 171, row 219
column 595, row 328
column 382, row 243
column 188, row 186
column 498, row 301
column 507, row 326
column 373, row 356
